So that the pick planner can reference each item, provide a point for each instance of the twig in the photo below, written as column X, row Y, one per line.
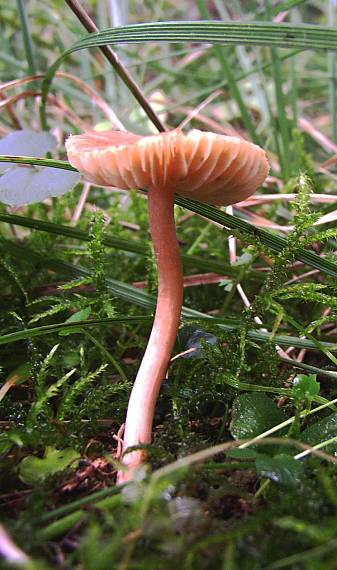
column 52, row 100
column 80, row 204
column 95, row 97
column 195, row 112
column 11, row 114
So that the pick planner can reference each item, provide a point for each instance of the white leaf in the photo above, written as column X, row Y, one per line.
column 25, row 143
column 26, row 184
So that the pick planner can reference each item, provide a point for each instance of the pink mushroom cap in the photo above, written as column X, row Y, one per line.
column 204, row 166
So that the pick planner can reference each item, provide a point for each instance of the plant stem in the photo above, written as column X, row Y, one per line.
column 138, row 425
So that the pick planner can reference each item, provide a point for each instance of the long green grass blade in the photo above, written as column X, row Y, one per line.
column 282, row 121
column 73, row 233
column 33, row 161
column 123, row 244
column 304, row 36
column 97, row 495
column 331, row 16
column 27, row 39
column 223, row 83
column 59, row 327
column 143, row 299
column 274, row 242
column 228, row 73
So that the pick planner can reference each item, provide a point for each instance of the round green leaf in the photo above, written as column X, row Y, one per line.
column 254, row 413
column 33, row 469
column 282, row 469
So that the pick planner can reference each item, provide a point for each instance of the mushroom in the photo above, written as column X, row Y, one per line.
column 208, row 167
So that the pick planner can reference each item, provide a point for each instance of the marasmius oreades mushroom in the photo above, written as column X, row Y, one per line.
column 208, row 167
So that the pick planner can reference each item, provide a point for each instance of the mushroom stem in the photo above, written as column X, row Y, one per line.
column 140, row 413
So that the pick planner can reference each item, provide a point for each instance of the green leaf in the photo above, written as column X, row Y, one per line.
column 322, row 430
column 305, row 388
column 8, row 439
column 34, row 470
column 243, row 259
column 79, row 315
column 254, row 413
column 245, row 454
column 5, row 443
column 282, row 469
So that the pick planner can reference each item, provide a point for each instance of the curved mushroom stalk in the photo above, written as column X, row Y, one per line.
column 139, row 419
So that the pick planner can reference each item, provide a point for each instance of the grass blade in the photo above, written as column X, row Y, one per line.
column 304, row 36
column 274, row 242
column 143, row 299
column 227, row 71
column 123, row 244
column 27, row 40
column 331, row 10
column 282, row 121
